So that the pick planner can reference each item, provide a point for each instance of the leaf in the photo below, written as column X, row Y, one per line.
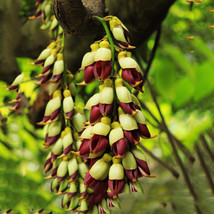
column 204, row 81
column 165, row 79
column 184, row 90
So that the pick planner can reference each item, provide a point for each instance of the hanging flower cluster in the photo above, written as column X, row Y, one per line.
column 45, row 12
column 91, row 162
column 116, row 123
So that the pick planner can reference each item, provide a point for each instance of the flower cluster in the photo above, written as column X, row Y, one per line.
column 45, row 12
column 109, row 142
column 91, row 162
column 15, row 86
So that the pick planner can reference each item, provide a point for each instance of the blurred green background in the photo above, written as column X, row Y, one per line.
column 182, row 77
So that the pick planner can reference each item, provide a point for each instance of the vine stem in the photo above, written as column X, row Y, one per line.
column 108, row 34
column 113, row 72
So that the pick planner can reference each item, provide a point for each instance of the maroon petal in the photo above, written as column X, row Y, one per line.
column 69, row 114
column 39, row 62
column 95, row 114
column 100, row 145
column 56, row 78
column 89, row 181
column 120, row 147
column 127, row 76
column 67, row 149
column 84, row 147
column 47, row 68
column 132, row 174
column 143, row 131
column 97, row 69
column 128, row 108
column 107, row 70
column 45, row 79
column 106, row 109
column 89, row 74
column 54, row 114
column 73, row 176
column 143, row 166
column 52, row 140
column 13, row 88
column 132, row 136
column 54, row 172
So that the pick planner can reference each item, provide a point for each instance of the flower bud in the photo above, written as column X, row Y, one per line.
column 65, row 201
column 83, row 207
column 120, row 33
column 78, row 119
column 103, row 127
column 87, row 133
column 93, row 101
column 72, row 168
column 106, row 98
column 131, row 72
column 116, row 171
column 142, row 127
column 73, row 203
column 100, row 169
column 55, row 168
column 82, row 188
column 58, row 68
column 54, row 185
column 48, row 164
column 53, row 108
column 54, row 24
column 53, row 87
column 124, row 97
column 129, row 162
column 44, row 54
column 127, row 121
column 83, row 169
column 67, row 141
column 103, row 53
column 62, row 187
column 72, row 190
column 53, row 133
column 68, row 104
column 142, row 164
column 102, row 58
column 130, row 166
column 107, row 94
column 62, row 170
column 49, row 62
column 95, row 114
column 88, row 58
column 15, row 85
column 57, row 149
column 116, row 133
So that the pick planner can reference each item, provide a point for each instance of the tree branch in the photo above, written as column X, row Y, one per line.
column 204, row 167
column 206, row 147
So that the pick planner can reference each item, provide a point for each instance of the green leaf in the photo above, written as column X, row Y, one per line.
column 184, row 91
column 204, row 81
